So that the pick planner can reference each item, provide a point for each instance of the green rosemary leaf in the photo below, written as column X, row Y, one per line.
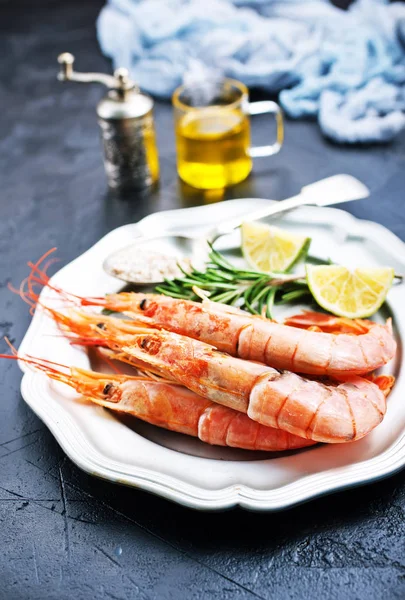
column 260, row 289
column 182, row 269
column 226, row 297
column 270, row 302
column 220, row 260
column 252, row 276
column 162, row 290
column 220, row 274
column 293, row 295
column 261, row 299
column 171, row 283
column 318, row 261
column 246, row 302
column 254, row 291
column 212, row 275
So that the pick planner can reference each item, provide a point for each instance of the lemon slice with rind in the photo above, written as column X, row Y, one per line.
column 355, row 294
column 271, row 249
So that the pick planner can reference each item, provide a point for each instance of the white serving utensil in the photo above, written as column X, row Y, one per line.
column 139, row 263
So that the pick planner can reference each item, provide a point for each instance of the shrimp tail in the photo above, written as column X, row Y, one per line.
column 384, row 382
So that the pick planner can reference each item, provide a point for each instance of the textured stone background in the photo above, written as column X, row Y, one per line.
column 66, row 535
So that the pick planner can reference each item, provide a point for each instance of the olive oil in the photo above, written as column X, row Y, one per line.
column 213, row 147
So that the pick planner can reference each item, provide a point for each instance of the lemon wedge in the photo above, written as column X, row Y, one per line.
column 269, row 249
column 349, row 293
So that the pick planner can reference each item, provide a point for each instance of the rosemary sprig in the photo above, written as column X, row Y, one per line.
column 253, row 291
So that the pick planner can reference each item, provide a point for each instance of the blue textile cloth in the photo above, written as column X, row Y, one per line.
column 347, row 68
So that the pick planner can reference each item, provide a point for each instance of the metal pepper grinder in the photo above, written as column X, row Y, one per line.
column 126, row 120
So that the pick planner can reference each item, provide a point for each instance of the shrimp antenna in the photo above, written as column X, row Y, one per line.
column 12, row 348
column 40, row 364
column 39, row 276
column 42, row 360
column 109, row 361
column 44, row 277
column 26, row 289
column 21, row 292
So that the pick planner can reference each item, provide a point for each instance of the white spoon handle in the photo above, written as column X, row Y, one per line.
column 333, row 190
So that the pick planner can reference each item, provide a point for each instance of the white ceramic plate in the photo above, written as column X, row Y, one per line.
column 184, row 469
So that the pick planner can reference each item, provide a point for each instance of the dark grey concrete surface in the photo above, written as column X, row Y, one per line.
column 64, row 534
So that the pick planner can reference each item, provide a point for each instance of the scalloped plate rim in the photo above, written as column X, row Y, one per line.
column 297, row 492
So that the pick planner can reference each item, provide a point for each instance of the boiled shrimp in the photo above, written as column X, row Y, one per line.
column 312, row 343
column 329, row 411
column 283, row 346
column 171, row 407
